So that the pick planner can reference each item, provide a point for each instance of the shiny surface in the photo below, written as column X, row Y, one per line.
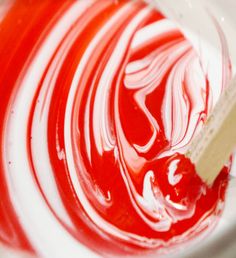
column 97, row 99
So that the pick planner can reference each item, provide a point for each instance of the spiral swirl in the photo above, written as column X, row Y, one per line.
column 99, row 99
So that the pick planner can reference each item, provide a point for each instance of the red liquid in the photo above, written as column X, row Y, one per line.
column 128, row 122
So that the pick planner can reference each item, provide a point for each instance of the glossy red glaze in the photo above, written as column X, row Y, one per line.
column 120, row 106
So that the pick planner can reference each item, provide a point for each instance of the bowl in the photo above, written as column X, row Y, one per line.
column 209, row 25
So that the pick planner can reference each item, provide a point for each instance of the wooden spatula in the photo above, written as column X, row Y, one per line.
column 211, row 149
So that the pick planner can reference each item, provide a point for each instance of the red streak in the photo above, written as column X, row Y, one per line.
column 22, row 32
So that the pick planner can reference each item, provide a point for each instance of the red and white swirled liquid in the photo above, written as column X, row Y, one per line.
column 98, row 102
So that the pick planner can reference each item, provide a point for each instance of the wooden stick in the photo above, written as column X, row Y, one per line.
column 211, row 149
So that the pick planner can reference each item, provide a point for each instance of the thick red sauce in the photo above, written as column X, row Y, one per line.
column 107, row 100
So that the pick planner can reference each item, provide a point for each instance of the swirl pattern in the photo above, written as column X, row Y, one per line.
column 99, row 100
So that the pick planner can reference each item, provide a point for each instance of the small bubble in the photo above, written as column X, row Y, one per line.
column 9, row 162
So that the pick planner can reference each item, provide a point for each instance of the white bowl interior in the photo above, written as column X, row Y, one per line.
column 193, row 19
